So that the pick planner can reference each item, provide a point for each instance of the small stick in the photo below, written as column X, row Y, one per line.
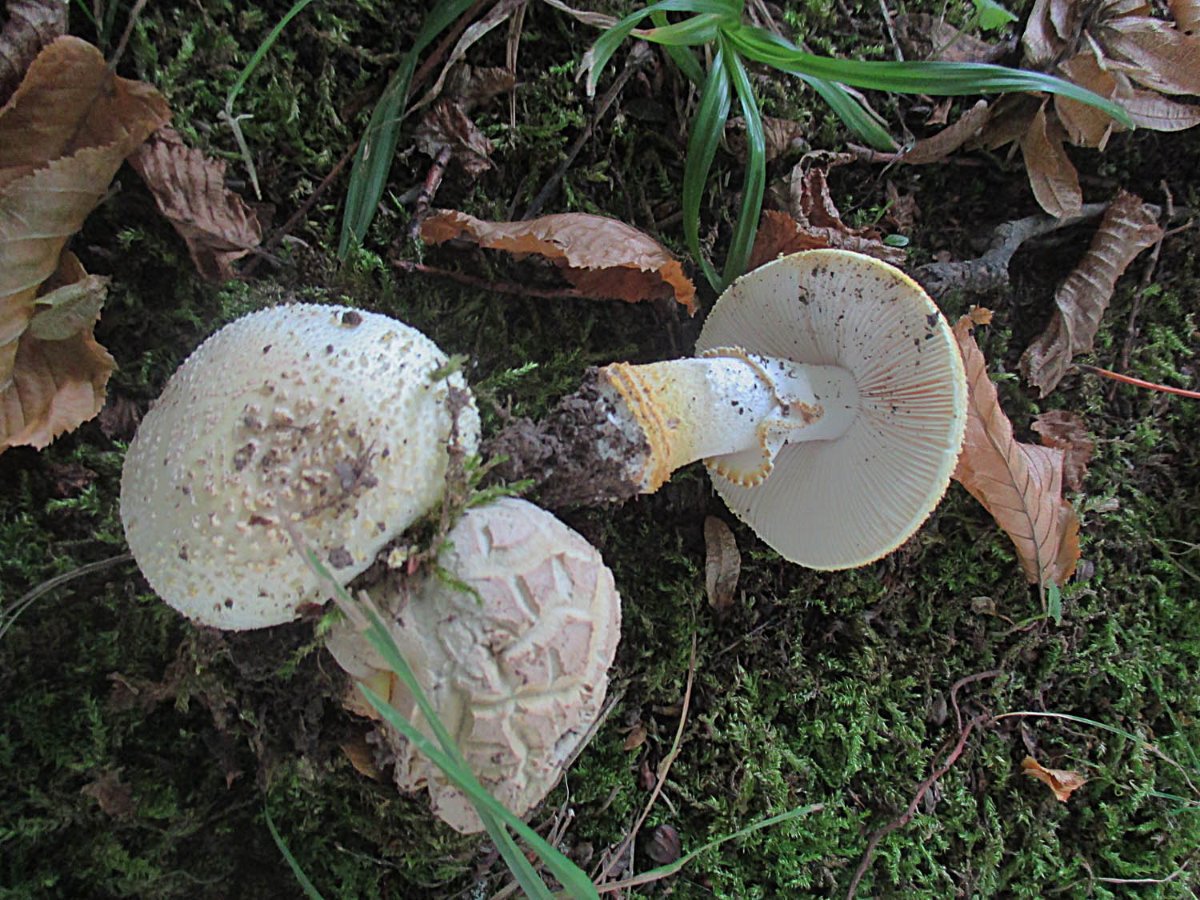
column 1137, row 382
column 963, row 682
column 126, row 35
column 502, row 287
column 908, row 814
column 433, row 180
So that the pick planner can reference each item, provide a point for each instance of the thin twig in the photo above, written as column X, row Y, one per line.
column 26, row 600
column 1137, row 382
column 502, row 287
column 637, row 59
column 963, row 682
column 664, row 768
column 908, row 814
column 429, row 188
column 126, row 34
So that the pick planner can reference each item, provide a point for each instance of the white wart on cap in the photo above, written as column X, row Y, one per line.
column 855, row 495
column 328, row 420
column 516, row 665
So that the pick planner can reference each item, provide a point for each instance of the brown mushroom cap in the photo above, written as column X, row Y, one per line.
column 329, row 420
column 844, row 502
column 517, row 668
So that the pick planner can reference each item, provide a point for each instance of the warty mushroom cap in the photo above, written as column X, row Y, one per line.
column 325, row 419
column 517, row 667
column 834, row 504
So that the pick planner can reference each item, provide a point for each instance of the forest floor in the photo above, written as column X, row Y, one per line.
column 140, row 754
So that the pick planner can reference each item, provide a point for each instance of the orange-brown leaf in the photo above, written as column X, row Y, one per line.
column 722, row 564
column 1086, row 126
column 1068, row 432
column 1019, row 484
column 361, row 755
column 1063, row 782
column 937, row 147
column 189, row 189
column 31, row 25
column 1161, row 57
column 1127, row 228
column 1186, row 14
column 1053, row 178
column 601, row 257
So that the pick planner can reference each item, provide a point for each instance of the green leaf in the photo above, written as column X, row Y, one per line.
column 688, row 33
column 683, row 58
column 991, row 15
column 755, row 181
column 373, row 161
column 938, row 78
column 705, row 133
column 858, row 119
column 68, row 310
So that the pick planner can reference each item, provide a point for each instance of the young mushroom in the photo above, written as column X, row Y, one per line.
column 828, row 401
column 320, row 421
column 513, row 649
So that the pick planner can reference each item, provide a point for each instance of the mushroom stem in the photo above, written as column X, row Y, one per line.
column 734, row 408
column 630, row 426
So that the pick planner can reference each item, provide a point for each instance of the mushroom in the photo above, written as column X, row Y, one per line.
column 322, row 422
column 828, row 401
column 513, row 649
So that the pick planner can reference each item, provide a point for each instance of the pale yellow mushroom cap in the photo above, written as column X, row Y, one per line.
column 516, row 667
column 331, row 420
column 836, row 504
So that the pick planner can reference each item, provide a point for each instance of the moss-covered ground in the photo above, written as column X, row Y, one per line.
column 140, row 754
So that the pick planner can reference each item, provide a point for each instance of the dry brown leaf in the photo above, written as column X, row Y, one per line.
column 1053, row 178
column 446, row 124
column 1068, row 432
column 1019, row 484
column 1040, row 41
column 31, row 25
column 1128, row 227
column 636, row 737
column 1150, row 110
column 189, row 189
column 69, row 101
column 1063, row 782
column 1086, row 126
column 1161, row 57
column 927, row 37
column 601, row 257
column 1186, row 14
column 814, row 221
column 722, row 564
column 362, row 756
column 114, row 796
column 937, row 147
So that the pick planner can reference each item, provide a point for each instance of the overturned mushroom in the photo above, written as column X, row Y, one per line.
column 513, row 650
column 321, row 420
column 828, row 401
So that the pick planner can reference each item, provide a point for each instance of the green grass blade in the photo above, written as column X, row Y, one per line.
column 263, row 49
column 688, row 33
column 606, row 45
column 705, row 133
column 847, row 108
column 675, row 867
column 310, row 889
column 683, row 58
column 572, row 877
column 373, row 161
column 935, row 78
column 755, row 181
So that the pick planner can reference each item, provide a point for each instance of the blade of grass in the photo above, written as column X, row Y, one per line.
column 674, row 867
column 688, row 33
column 936, row 77
column 850, row 111
column 448, row 758
column 683, row 58
column 705, row 133
column 310, row 889
column 373, row 161
column 755, row 181
column 606, row 45
column 232, row 120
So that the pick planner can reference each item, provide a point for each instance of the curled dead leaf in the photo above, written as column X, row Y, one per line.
column 1019, row 484
column 31, row 25
column 722, row 564
column 1068, row 432
column 446, row 124
column 601, row 257
column 361, row 755
column 189, row 189
column 1051, row 173
column 1128, row 227
column 1063, row 782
